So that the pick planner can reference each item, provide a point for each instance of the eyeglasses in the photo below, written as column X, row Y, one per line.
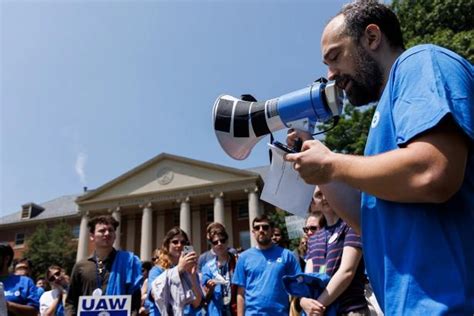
column 217, row 241
column 265, row 227
column 182, row 242
column 54, row 276
column 310, row 228
column 277, row 235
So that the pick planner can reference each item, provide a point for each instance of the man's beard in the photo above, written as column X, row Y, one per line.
column 264, row 241
column 367, row 81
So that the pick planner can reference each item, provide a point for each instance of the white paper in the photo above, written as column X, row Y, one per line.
column 219, row 279
column 284, row 187
column 294, row 226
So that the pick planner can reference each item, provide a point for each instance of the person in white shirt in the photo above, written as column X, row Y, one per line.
column 52, row 302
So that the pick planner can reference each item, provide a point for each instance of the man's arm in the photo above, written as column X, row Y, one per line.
column 345, row 202
column 240, row 301
column 429, row 169
column 74, row 291
column 343, row 277
column 337, row 285
column 19, row 309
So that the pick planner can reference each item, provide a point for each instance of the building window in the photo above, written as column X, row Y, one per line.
column 244, row 238
column 75, row 231
column 209, row 211
column 242, row 210
column 25, row 212
column 19, row 239
column 176, row 218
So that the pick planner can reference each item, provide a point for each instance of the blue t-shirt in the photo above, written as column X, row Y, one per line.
column 260, row 272
column 420, row 256
column 21, row 290
column 221, row 296
column 152, row 275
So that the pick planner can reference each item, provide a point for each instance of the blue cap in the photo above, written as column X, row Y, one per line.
column 305, row 284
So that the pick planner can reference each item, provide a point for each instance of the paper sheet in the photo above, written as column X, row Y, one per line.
column 284, row 187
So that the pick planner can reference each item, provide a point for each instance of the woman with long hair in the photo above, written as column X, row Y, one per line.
column 174, row 281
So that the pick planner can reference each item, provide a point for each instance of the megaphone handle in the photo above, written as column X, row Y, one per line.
column 298, row 145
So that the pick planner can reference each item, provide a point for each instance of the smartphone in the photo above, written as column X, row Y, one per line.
column 284, row 147
column 187, row 249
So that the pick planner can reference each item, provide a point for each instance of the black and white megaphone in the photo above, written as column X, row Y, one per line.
column 239, row 125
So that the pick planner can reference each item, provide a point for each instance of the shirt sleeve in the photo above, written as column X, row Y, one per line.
column 428, row 85
column 206, row 274
column 352, row 239
column 32, row 298
column 239, row 273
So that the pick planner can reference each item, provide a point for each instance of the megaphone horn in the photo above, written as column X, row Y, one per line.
column 239, row 124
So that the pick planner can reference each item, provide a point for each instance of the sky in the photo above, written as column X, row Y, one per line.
column 91, row 89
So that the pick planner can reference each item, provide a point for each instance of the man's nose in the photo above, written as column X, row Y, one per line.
column 332, row 73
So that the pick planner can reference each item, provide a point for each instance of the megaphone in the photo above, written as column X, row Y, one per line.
column 239, row 125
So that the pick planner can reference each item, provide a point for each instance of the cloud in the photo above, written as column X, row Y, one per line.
column 80, row 167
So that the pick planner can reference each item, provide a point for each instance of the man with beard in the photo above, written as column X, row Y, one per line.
column 259, row 272
column 411, row 195
column 107, row 271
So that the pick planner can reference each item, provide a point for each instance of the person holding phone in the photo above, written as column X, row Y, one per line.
column 173, row 283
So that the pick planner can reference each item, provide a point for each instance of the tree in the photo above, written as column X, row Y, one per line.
column 447, row 23
column 350, row 134
column 48, row 246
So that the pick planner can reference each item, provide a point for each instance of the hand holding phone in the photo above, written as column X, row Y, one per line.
column 284, row 147
column 187, row 249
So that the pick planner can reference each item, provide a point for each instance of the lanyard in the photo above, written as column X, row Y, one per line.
column 98, row 272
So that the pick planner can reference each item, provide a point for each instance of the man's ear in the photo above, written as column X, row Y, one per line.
column 373, row 36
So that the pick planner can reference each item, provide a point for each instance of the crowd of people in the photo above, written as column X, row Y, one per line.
column 221, row 281
column 400, row 217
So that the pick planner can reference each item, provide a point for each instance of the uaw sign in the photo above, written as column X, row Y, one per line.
column 106, row 305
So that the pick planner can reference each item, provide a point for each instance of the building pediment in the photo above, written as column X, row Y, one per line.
column 166, row 173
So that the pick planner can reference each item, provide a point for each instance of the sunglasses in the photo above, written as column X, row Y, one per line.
column 217, row 241
column 310, row 228
column 177, row 242
column 277, row 235
column 265, row 227
column 54, row 276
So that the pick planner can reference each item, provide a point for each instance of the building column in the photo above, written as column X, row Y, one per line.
column 219, row 214
column 83, row 243
column 185, row 216
column 117, row 215
column 146, row 237
column 254, row 210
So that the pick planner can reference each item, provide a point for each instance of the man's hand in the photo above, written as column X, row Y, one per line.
column 314, row 163
column 312, row 307
column 293, row 136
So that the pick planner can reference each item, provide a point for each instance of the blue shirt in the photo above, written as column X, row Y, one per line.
column 420, row 256
column 211, row 270
column 260, row 272
column 152, row 275
column 21, row 290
